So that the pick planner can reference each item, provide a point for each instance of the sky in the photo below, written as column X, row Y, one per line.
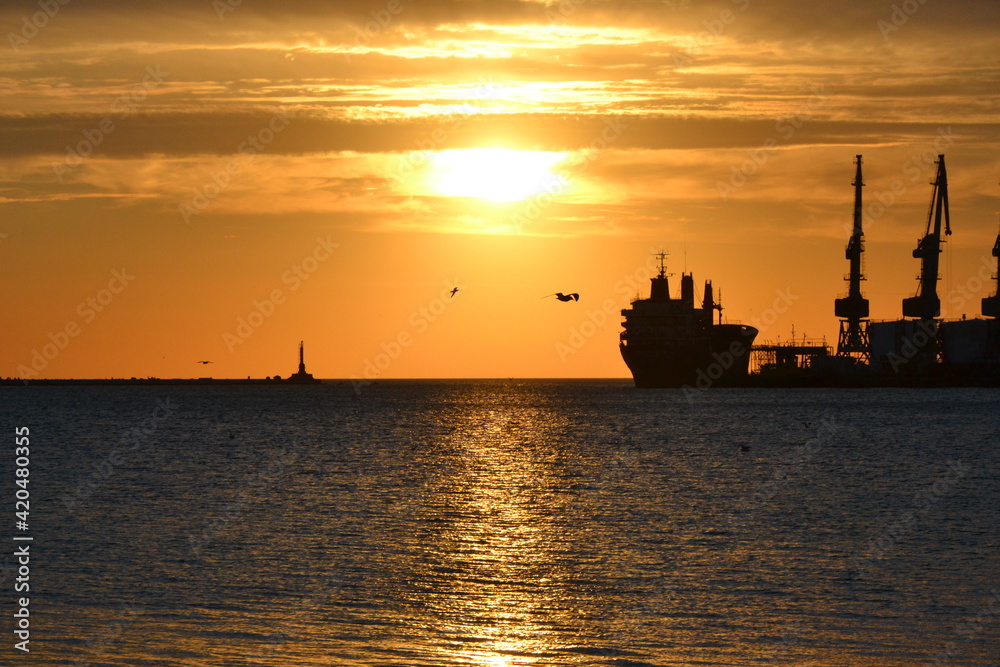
column 206, row 180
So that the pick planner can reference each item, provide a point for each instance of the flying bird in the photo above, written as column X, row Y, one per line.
column 453, row 290
column 204, row 362
column 564, row 297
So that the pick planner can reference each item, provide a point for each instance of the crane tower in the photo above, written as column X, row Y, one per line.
column 853, row 309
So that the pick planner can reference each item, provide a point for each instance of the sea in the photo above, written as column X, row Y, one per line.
column 495, row 523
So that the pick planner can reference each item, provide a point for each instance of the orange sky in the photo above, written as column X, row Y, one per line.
column 216, row 181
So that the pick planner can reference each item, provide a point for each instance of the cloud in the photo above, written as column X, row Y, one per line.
column 714, row 80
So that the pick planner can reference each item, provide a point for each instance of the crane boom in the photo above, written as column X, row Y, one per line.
column 925, row 304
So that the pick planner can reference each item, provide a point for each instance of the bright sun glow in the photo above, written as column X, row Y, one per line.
column 498, row 174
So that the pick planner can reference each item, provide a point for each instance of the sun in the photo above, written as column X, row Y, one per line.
column 496, row 174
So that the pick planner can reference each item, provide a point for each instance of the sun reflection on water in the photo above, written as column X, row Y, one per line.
column 501, row 543
column 522, row 524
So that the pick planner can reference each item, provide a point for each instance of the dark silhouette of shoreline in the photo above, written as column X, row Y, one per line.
column 8, row 382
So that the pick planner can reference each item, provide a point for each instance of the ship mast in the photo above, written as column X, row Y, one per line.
column 925, row 304
column 853, row 309
column 659, row 286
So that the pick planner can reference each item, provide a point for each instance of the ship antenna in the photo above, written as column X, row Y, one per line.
column 685, row 249
column 662, row 256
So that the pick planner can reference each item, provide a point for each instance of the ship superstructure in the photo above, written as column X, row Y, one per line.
column 669, row 342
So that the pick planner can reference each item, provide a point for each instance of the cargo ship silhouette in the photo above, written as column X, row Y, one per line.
column 669, row 342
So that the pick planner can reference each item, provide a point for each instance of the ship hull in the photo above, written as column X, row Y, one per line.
column 718, row 358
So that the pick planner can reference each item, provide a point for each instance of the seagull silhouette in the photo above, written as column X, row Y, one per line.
column 204, row 362
column 453, row 290
column 564, row 297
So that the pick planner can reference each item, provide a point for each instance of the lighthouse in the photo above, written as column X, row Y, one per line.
column 301, row 376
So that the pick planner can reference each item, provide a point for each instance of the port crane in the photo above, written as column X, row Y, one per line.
column 925, row 304
column 991, row 304
column 853, row 341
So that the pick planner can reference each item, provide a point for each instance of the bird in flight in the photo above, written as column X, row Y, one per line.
column 564, row 297
column 204, row 362
column 453, row 290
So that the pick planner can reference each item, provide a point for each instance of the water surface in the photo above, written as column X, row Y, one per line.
column 511, row 523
